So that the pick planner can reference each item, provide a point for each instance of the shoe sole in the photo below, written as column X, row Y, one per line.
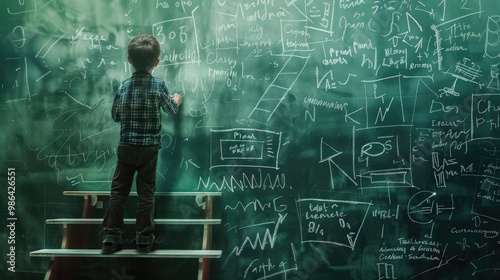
column 111, row 250
column 146, row 249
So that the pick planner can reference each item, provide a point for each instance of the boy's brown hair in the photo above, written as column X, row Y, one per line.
column 143, row 51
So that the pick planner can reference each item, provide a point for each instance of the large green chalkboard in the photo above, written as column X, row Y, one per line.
column 351, row 139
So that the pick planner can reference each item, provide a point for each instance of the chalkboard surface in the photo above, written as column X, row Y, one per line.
column 351, row 139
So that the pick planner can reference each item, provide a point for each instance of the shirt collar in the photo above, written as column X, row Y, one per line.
column 141, row 73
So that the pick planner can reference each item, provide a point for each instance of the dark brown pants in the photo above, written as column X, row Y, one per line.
column 132, row 159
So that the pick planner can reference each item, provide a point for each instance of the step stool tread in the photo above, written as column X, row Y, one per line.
column 88, row 221
column 107, row 193
column 131, row 253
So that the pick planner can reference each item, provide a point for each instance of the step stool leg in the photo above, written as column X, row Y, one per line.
column 74, row 237
column 204, row 265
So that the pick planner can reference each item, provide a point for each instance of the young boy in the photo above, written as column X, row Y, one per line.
column 137, row 107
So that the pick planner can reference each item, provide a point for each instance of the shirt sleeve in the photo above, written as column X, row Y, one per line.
column 114, row 109
column 167, row 103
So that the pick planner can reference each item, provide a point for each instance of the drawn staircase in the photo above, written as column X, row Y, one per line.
column 278, row 89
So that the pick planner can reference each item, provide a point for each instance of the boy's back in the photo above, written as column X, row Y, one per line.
column 137, row 107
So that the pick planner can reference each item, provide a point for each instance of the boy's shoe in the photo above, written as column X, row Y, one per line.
column 111, row 243
column 145, row 243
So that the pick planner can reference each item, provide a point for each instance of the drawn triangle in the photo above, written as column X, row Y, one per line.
column 328, row 152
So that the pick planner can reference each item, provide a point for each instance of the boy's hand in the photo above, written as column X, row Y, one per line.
column 177, row 98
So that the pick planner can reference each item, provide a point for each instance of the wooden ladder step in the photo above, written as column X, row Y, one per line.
column 127, row 253
column 96, row 221
column 107, row 193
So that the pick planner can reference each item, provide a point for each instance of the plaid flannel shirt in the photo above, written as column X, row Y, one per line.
column 137, row 107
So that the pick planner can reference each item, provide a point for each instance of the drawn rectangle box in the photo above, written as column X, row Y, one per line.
column 294, row 35
column 487, row 198
column 393, row 177
column 320, row 15
column 244, row 147
column 382, row 150
column 180, row 37
column 331, row 221
column 241, row 149
column 227, row 32
column 485, row 116
column 486, row 185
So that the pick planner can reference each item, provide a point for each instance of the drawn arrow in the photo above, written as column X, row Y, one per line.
column 348, row 116
column 327, row 152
